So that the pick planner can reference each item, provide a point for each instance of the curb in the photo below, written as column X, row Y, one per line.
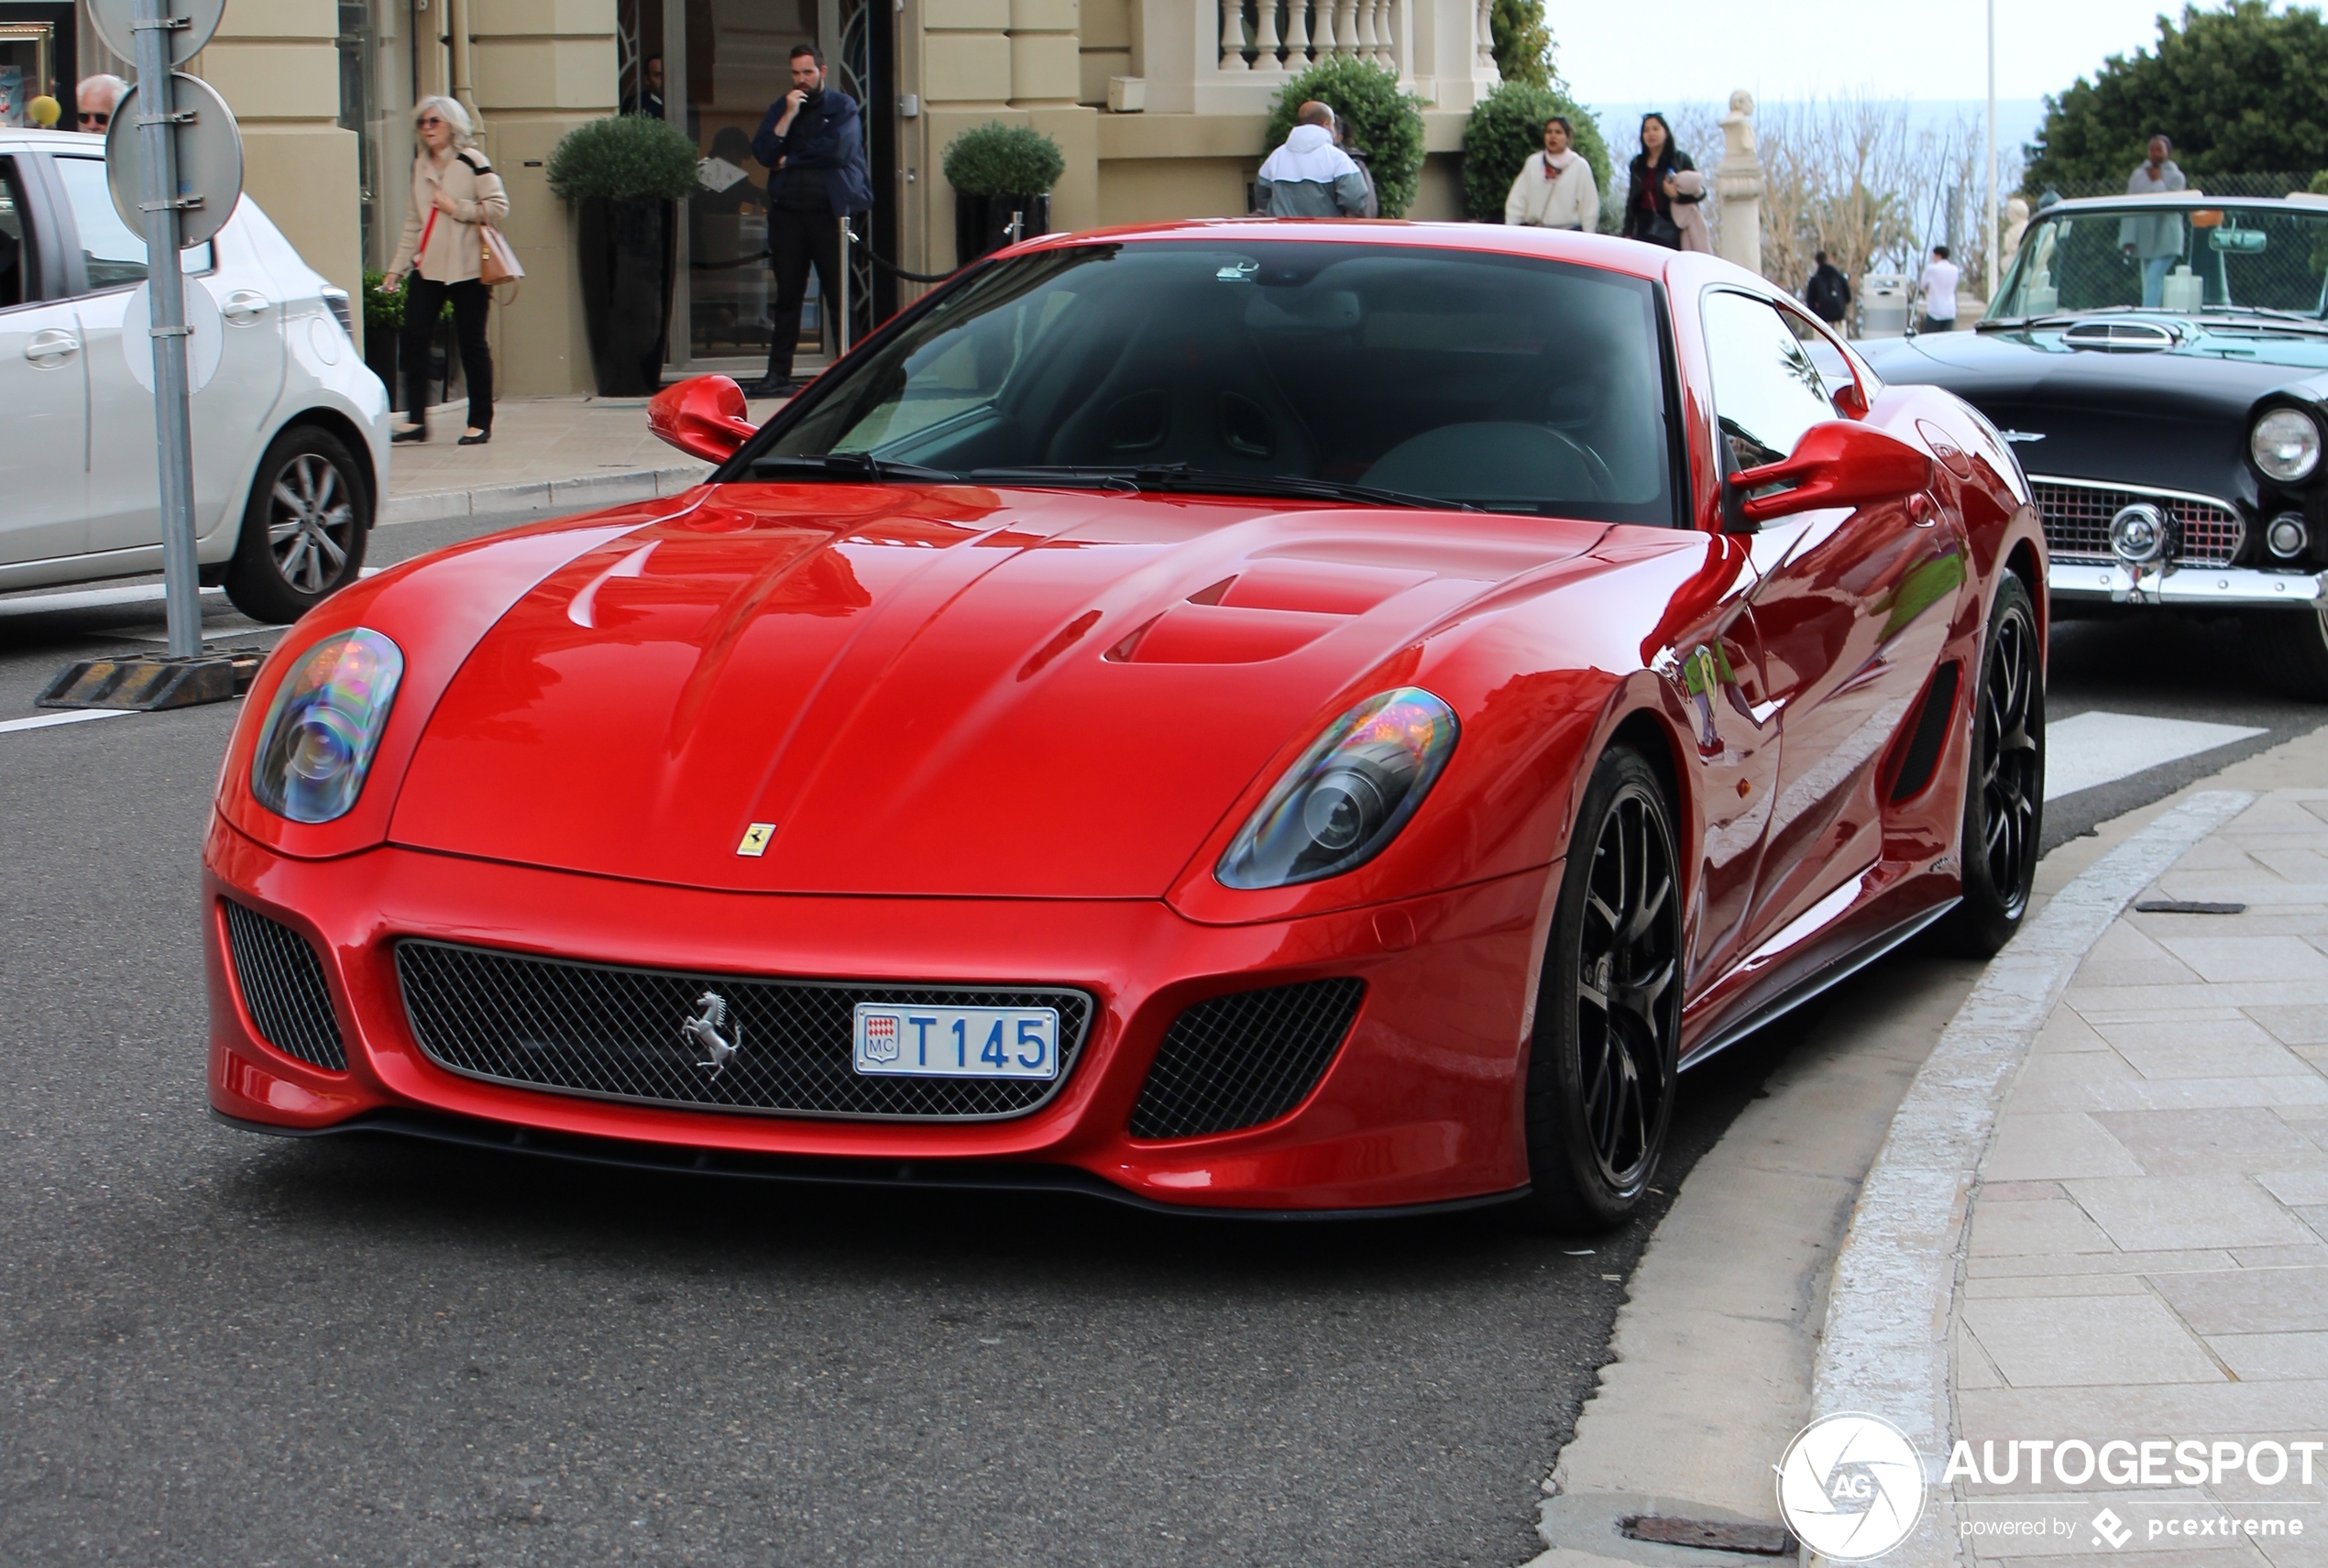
column 1878, row 1352
column 577, row 494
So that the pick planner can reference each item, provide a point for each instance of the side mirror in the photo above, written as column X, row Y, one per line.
column 1840, row 464
column 703, row 416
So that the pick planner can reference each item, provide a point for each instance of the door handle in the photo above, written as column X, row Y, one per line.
column 1919, row 509
column 50, row 344
column 243, row 306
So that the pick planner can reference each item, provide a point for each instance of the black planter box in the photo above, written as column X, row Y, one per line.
column 380, row 355
column 628, row 252
column 982, row 223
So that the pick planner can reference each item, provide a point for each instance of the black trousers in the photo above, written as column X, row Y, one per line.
column 796, row 239
column 423, row 303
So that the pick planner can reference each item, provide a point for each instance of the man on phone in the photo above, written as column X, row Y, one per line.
column 813, row 142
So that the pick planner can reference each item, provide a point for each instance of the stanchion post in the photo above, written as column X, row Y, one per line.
column 847, row 238
column 166, row 291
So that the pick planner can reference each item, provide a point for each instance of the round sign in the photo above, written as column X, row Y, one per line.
column 210, row 160
column 112, row 19
column 1852, row 1486
column 206, row 343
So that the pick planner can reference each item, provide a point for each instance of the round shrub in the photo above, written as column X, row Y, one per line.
column 995, row 159
column 1378, row 120
column 1505, row 128
column 623, row 158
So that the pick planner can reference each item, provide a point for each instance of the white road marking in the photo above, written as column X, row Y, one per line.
column 71, row 716
column 2099, row 747
column 90, row 598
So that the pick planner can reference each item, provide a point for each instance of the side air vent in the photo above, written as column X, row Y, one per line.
column 1926, row 736
column 2121, row 338
column 281, row 981
column 1245, row 1059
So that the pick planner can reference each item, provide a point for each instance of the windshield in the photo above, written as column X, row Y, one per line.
column 2174, row 258
column 1439, row 377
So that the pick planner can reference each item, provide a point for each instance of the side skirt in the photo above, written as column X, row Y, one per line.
column 1817, row 983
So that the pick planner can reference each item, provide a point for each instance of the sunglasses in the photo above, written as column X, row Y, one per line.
column 432, row 120
column 98, row 120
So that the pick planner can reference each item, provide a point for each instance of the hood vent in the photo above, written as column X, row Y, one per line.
column 2123, row 336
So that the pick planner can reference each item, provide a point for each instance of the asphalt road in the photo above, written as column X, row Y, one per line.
column 216, row 1347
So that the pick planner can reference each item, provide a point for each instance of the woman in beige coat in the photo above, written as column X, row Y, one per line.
column 1556, row 189
column 455, row 195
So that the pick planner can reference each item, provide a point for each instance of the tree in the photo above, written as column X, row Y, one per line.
column 1522, row 42
column 1506, row 126
column 2240, row 90
column 1382, row 121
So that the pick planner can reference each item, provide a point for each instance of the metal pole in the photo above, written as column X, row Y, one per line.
column 1991, row 270
column 847, row 238
column 166, row 288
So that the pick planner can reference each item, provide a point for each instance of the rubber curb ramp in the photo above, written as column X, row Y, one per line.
column 147, row 683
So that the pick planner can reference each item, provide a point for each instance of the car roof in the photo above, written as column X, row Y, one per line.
column 24, row 138
column 1604, row 251
column 2185, row 201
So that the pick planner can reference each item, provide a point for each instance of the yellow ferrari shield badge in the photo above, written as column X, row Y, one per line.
column 755, row 839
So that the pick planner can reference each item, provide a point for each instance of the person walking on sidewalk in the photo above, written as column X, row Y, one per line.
column 813, row 142
column 456, row 196
column 1829, row 292
column 1310, row 177
column 1556, row 189
column 2154, row 242
column 1939, row 288
column 1654, row 193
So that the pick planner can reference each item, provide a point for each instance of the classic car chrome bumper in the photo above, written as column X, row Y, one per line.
column 2108, row 582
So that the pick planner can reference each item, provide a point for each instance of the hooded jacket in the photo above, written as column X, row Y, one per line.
column 1310, row 177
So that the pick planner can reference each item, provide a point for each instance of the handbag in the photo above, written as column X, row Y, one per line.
column 497, row 259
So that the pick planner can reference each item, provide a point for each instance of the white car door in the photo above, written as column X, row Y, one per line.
column 44, row 391
column 229, row 415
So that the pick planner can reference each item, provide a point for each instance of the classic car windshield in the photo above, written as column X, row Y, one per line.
column 2172, row 257
column 1441, row 377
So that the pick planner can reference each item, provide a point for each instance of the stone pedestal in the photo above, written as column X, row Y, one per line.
column 1739, row 185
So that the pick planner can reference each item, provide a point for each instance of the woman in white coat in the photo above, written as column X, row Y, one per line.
column 1556, row 189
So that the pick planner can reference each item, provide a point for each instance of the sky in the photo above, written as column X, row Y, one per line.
column 1698, row 51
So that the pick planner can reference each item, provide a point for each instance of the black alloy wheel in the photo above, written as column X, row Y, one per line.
column 2005, row 781
column 303, row 529
column 2294, row 649
column 1602, row 1065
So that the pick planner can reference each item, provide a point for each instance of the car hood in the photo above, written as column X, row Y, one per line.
column 938, row 691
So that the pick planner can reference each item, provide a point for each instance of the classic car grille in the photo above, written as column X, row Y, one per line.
column 1243, row 1060
column 2077, row 522
column 614, row 1034
column 282, row 984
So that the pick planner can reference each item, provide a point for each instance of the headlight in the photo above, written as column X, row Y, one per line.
column 324, row 726
column 2285, row 444
column 1349, row 795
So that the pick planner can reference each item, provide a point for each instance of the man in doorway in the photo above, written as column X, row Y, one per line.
column 1939, row 288
column 648, row 100
column 813, row 142
column 96, row 98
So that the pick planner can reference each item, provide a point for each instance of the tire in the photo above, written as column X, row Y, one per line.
column 2005, row 779
column 1602, row 1065
column 303, row 528
column 2294, row 646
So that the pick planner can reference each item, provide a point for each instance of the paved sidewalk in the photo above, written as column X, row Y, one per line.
column 550, row 454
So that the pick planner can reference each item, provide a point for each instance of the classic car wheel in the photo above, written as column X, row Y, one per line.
column 2295, row 648
column 2004, row 787
column 1601, row 1069
column 303, row 529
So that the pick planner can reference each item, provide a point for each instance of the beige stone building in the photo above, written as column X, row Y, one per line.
column 1160, row 106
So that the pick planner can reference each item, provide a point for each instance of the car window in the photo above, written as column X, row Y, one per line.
column 1767, row 387
column 15, row 241
column 112, row 254
column 1834, row 370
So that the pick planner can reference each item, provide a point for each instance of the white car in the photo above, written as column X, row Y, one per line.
column 291, row 434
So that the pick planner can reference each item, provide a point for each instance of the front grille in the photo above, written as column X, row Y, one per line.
column 615, row 1034
column 1245, row 1059
column 2077, row 522
column 281, row 981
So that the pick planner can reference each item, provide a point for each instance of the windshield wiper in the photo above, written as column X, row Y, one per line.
column 862, row 465
column 1180, row 476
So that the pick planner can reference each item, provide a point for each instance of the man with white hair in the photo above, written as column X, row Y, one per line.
column 96, row 98
column 1310, row 177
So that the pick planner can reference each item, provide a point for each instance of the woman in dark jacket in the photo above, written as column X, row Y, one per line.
column 1649, row 205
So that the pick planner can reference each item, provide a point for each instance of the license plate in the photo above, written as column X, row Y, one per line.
column 957, row 1042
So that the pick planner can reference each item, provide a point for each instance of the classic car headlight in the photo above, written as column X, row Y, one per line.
column 1349, row 795
column 2285, row 444
column 324, row 726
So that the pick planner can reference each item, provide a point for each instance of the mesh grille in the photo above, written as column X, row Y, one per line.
column 614, row 1034
column 1239, row 1060
column 282, row 985
column 2077, row 523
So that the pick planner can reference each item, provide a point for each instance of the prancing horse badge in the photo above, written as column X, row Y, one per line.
column 703, row 1029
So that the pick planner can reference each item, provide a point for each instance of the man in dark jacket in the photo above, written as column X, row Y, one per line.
column 813, row 142
column 1828, row 293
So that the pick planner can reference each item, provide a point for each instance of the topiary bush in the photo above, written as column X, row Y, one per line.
column 996, row 159
column 1505, row 128
column 623, row 158
column 1379, row 121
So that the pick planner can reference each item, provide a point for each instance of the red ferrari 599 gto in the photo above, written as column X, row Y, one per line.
column 1269, row 718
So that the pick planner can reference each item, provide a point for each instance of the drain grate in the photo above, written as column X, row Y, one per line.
column 1711, row 1535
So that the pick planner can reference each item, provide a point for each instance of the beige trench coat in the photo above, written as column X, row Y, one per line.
column 455, row 244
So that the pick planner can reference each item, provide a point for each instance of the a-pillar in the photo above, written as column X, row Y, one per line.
column 276, row 63
column 543, row 67
column 1046, row 80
